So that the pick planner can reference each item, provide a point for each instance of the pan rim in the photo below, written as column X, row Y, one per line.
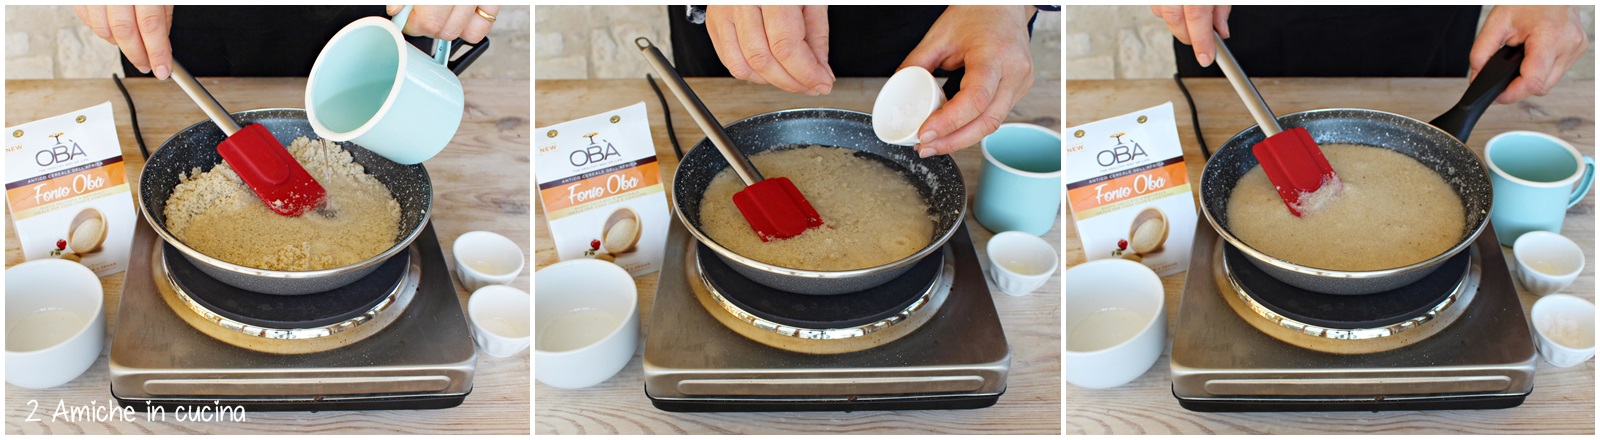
column 936, row 244
column 1428, row 264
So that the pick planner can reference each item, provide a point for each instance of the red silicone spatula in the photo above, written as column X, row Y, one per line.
column 256, row 156
column 774, row 207
column 1290, row 157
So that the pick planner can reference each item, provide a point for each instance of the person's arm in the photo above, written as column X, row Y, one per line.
column 140, row 31
column 1551, row 36
column 1193, row 25
column 991, row 42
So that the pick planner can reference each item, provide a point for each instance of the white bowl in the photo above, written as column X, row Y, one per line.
column 586, row 317
column 1020, row 262
column 500, row 321
column 484, row 258
column 1546, row 261
column 1116, row 322
column 904, row 103
column 55, row 322
column 1564, row 326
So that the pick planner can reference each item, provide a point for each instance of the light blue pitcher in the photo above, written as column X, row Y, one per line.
column 1020, row 189
column 1533, row 175
column 370, row 87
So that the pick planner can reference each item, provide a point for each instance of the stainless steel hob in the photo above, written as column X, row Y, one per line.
column 1470, row 350
column 953, row 355
column 409, row 347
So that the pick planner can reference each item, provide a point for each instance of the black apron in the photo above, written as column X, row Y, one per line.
column 256, row 40
column 1388, row 41
column 864, row 41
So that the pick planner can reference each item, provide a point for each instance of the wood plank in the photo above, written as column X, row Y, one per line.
column 480, row 183
column 618, row 406
column 1563, row 398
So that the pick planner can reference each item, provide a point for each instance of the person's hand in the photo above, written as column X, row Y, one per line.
column 786, row 46
column 1552, row 39
column 992, row 43
column 140, row 31
column 1193, row 26
column 448, row 22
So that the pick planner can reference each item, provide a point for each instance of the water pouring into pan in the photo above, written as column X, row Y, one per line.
column 1439, row 145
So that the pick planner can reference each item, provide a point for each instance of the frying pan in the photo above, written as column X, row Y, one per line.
column 196, row 147
column 1438, row 145
column 936, row 178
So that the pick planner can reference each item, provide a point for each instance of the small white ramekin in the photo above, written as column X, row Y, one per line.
column 1012, row 250
column 1539, row 251
column 500, row 321
column 904, row 103
column 476, row 250
column 1558, row 315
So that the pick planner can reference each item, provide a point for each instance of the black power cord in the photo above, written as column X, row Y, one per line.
column 133, row 115
column 667, row 112
column 1194, row 116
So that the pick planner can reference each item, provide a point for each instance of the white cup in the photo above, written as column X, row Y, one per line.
column 1020, row 262
column 1564, row 325
column 500, row 321
column 484, row 258
column 1546, row 261
column 904, row 103
column 1116, row 322
column 55, row 322
column 586, row 314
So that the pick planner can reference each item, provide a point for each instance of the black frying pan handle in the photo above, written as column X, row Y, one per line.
column 1496, row 74
column 460, row 64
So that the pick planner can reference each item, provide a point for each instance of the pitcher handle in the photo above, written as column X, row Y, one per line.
column 1583, row 183
column 441, row 48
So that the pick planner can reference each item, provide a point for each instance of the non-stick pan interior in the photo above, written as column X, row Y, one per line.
column 1433, row 147
column 196, row 147
column 936, row 179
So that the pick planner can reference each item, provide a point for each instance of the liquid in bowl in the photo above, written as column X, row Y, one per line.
column 42, row 329
column 1104, row 329
column 577, row 329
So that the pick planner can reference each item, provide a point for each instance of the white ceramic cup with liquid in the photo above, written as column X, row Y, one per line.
column 587, row 322
column 1116, row 322
column 55, row 322
column 1546, row 261
column 484, row 258
column 1019, row 263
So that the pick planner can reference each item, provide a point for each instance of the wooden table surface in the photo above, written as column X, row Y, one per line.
column 1563, row 398
column 479, row 182
column 1032, row 402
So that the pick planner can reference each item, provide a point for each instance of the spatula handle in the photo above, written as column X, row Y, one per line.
column 697, row 109
column 1247, row 90
column 203, row 99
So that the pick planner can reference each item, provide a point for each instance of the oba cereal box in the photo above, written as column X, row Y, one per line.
column 1129, row 190
column 601, row 189
column 67, row 189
